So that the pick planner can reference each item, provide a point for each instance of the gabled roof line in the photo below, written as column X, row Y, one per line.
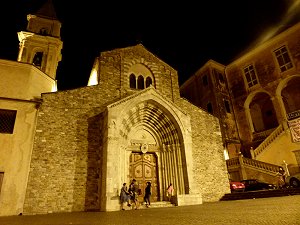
column 47, row 10
column 159, row 95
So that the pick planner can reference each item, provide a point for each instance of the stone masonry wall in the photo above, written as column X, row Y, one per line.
column 210, row 171
column 64, row 169
column 119, row 61
column 66, row 158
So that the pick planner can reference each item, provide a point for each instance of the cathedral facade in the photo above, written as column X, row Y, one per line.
column 128, row 123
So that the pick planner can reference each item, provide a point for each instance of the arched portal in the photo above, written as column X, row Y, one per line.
column 262, row 112
column 154, row 145
column 291, row 95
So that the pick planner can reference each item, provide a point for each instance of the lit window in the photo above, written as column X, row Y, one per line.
column 250, row 75
column 283, row 59
column 7, row 121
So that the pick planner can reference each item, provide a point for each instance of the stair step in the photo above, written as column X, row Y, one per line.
column 261, row 194
column 161, row 204
column 153, row 205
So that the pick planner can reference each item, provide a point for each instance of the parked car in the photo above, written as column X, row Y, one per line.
column 293, row 180
column 255, row 185
column 236, row 186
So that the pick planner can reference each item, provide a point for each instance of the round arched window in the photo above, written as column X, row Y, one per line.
column 148, row 81
column 132, row 81
column 141, row 84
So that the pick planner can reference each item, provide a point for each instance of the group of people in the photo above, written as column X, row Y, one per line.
column 130, row 195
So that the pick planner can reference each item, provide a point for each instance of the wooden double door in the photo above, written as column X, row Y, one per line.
column 143, row 168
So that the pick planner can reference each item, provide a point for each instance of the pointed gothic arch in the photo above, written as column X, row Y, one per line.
column 170, row 142
column 153, row 118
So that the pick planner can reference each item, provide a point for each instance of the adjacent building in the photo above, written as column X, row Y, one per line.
column 257, row 100
column 21, row 85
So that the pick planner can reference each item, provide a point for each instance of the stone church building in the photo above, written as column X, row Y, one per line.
column 82, row 144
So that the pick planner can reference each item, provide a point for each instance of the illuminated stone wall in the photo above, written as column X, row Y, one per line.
column 115, row 69
column 209, row 165
column 74, row 151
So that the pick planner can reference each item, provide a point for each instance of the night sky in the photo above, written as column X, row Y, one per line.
column 184, row 34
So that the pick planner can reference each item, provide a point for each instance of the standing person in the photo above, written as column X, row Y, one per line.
column 124, row 196
column 147, row 194
column 170, row 191
column 133, row 190
column 281, row 178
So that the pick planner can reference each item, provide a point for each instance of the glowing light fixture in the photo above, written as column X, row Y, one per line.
column 226, row 155
column 93, row 80
column 54, row 87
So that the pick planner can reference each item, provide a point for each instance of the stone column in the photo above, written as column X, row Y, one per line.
column 112, row 170
column 248, row 115
column 280, row 112
column 163, row 168
column 282, row 115
column 180, row 188
column 175, row 165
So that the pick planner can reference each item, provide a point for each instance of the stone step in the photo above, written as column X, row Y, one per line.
column 261, row 194
column 160, row 204
column 153, row 205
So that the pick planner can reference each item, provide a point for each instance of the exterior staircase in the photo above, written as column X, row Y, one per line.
column 271, row 137
column 277, row 150
column 242, row 168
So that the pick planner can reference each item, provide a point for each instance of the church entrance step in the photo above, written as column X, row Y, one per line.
column 153, row 205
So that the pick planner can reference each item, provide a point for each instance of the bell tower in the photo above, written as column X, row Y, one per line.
column 41, row 45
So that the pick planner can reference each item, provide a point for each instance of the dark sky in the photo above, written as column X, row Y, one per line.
column 185, row 34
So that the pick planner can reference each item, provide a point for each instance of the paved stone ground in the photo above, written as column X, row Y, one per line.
column 262, row 211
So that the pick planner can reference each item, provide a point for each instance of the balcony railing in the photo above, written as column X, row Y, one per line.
column 242, row 162
column 279, row 130
column 262, row 135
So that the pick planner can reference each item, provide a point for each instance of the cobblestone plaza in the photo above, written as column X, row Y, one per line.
column 263, row 211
